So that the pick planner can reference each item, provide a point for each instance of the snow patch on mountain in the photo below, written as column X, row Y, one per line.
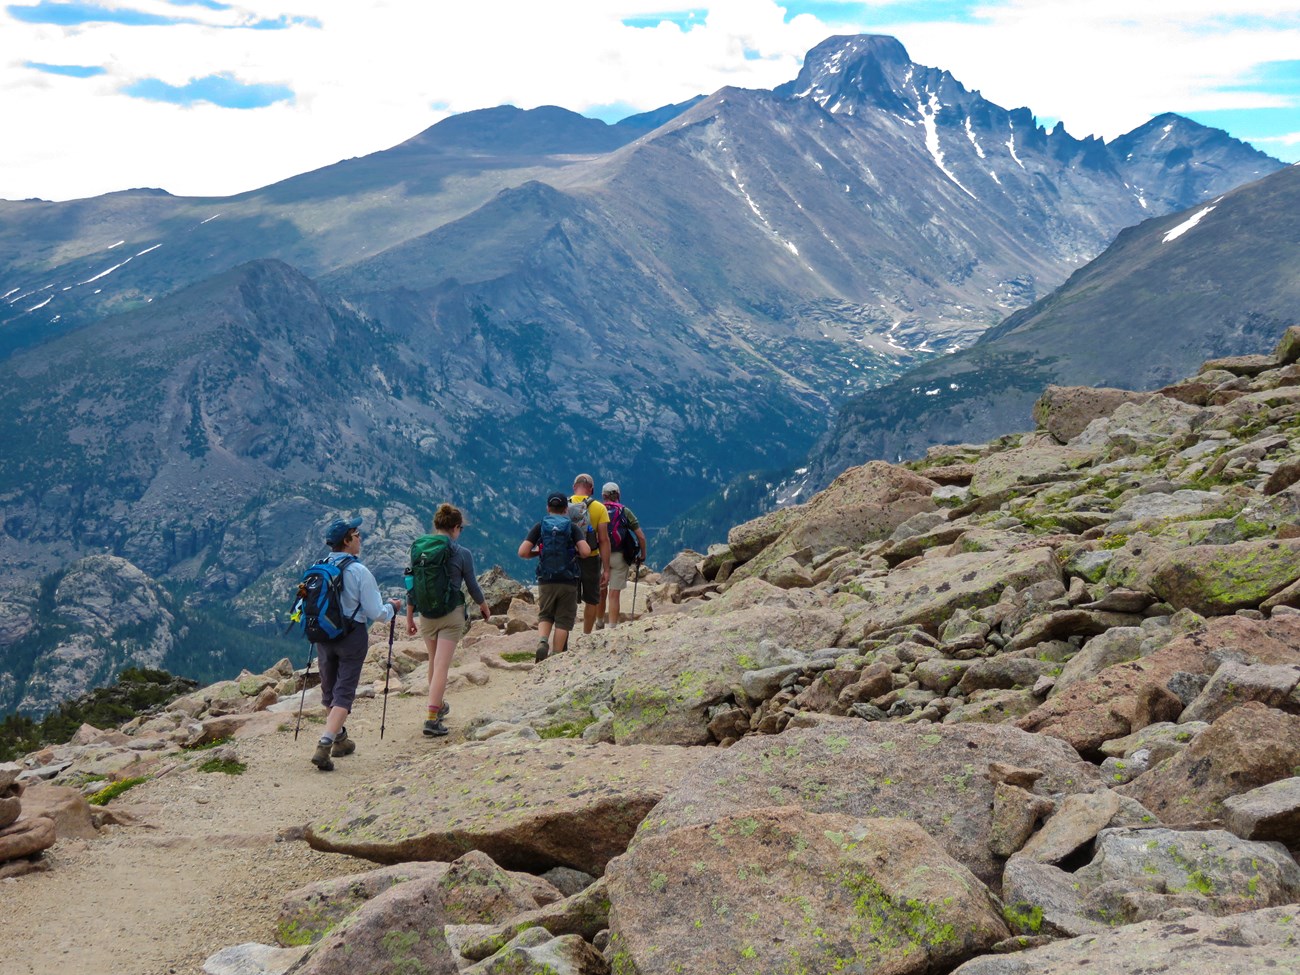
column 928, row 113
column 1186, row 225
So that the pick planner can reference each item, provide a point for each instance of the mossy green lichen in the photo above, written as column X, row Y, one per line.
column 1023, row 918
column 292, row 934
column 519, row 656
column 566, row 729
column 229, row 766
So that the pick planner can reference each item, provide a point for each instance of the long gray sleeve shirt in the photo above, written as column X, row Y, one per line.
column 462, row 572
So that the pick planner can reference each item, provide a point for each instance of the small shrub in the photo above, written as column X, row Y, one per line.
column 229, row 766
column 104, row 796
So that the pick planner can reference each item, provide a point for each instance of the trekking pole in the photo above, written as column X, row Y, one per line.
column 311, row 648
column 392, row 629
column 636, row 577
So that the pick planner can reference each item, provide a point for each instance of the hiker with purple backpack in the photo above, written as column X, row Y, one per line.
column 627, row 549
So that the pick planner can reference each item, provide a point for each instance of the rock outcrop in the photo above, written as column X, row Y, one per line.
column 1019, row 706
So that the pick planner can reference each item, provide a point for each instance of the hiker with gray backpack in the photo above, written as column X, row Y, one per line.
column 557, row 544
column 439, row 568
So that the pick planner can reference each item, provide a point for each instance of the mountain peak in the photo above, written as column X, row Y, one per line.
column 847, row 70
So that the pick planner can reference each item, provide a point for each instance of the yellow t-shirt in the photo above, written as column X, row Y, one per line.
column 598, row 514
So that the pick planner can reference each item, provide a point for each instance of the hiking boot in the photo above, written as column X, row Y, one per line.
column 321, row 757
column 543, row 651
column 343, row 745
column 444, row 710
column 435, row 729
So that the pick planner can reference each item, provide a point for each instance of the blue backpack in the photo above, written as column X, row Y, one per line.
column 558, row 560
column 320, row 601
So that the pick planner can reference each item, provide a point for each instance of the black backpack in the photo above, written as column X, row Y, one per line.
column 320, row 601
column 558, row 556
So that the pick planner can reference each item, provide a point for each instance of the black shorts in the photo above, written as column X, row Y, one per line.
column 589, row 581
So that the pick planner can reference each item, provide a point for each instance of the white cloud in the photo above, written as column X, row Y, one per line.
column 378, row 71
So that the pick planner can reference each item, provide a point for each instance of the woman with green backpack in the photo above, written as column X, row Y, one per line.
column 439, row 568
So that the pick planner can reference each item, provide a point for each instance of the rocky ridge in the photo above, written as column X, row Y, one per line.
column 980, row 713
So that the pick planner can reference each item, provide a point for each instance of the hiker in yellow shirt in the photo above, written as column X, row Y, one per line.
column 595, row 567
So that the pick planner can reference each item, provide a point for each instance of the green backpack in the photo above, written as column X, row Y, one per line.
column 429, row 577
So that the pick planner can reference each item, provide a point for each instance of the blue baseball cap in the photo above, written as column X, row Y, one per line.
column 338, row 530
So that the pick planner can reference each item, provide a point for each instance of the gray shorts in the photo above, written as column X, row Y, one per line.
column 340, row 667
column 450, row 627
column 557, row 602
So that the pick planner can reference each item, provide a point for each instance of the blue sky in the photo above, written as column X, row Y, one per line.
column 206, row 97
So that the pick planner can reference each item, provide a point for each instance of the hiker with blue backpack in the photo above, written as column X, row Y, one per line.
column 557, row 543
column 340, row 599
column 627, row 549
column 439, row 567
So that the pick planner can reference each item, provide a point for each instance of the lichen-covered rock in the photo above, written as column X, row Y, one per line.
column 993, row 707
column 748, row 539
column 1145, row 512
column 1077, row 821
column 1115, row 646
column 585, row 914
column 1244, row 944
column 784, row 889
column 935, row 775
column 928, row 592
column 1214, row 580
column 671, row 677
column 1248, row 747
column 1115, row 702
column 1271, row 812
column 1288, row 347
column 1235, row 683
column 309, row 913
column 535, row 952
column 529, row 805
column 1066, row 411
column 400, row 930
column 1133, row 426
column 1138, row 874
column 864, row 504
column 1161, row 741
column 788, row 574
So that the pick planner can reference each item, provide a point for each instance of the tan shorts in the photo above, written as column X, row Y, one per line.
column 618, row 570
column 450, row 627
